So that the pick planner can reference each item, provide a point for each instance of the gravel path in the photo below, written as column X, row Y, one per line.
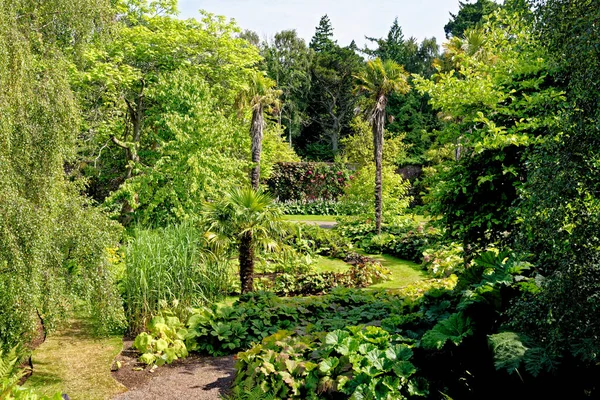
column 201, row 378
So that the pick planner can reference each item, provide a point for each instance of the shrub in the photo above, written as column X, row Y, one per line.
column 163, row 343
column 358, row 195
column 220, row 331
column 308, row 181
column 444, row 260
column 313, row 240
column 357, row 362
column 406, row 239
column 168, row 264
column 363, row 272
column 313, row 207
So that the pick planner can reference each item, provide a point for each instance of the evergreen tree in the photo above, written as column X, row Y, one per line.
column 469, row 16
column 323, row 41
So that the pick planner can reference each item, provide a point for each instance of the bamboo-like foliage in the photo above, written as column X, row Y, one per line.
column 260, row 95
column 378, row 80
column 169, row 265
column 244, row 220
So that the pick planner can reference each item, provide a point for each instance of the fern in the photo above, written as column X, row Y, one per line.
column 9, row 372
column 255, row 394
column 508, row 349
column 454, row 328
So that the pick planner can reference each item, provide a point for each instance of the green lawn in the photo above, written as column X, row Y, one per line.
column 328, row 264
column 310, row 218
column 403, row 272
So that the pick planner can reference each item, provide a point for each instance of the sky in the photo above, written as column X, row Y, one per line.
column 351, row 19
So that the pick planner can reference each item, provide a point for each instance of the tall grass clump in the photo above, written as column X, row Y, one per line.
column 168, row 265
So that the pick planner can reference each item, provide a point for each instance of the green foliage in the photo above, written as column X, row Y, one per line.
column 308, row 181
column 313, row 240
column 360, row 363
column 358, row 147
column 404, row 238
column 167, row 265
column 10, row 375
column 287, row 60
column 453, row 329
column 225, row 330
column 359, row 193
column 498, row 100
column 53, row 239
column 163, row 343
column 316, row 207
column 363, row 272
column 443, row 260
column 469, row 16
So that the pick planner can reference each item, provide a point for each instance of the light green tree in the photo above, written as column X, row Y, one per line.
column 378, row 80
column 151, row 47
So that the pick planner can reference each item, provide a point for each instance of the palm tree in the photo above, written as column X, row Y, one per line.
column 259, row 94
column 378, row 81
column 244, row 219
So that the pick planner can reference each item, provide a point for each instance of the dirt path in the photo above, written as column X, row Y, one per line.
column 201, row 378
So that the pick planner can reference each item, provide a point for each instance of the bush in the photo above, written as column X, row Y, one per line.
column 363, row 272
column 444, row 260
column 163, row 343
column 311, row 239
column 406, row 239
column 168, row 264
column 355, row 362
column 307, row 181
column 359, row 198
column 220, row 331
column 314, row 207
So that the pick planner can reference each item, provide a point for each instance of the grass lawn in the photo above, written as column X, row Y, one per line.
column 72, row 361
column 310, row 218
column 327, row 264
column 403, row 272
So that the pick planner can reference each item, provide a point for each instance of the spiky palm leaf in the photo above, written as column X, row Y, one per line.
column 245, row 219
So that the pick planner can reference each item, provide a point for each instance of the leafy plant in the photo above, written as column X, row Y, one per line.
column 356, row 362
column 164, row 341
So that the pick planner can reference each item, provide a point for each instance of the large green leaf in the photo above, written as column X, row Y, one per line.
column 455, row 328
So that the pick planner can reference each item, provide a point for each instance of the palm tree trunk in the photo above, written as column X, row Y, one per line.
column 246, row 259
column 378, row 128
column 256, row 132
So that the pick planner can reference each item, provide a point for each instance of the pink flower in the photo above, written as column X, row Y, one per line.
column 339, row 172
column 351, row 177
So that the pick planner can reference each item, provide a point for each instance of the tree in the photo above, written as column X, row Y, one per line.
column 52, row 240
column 287, row 62
column 244, row 219
column 119, row 77
column 497, row 104
column 469, row 16
column 323, row 41
column 259, row 94
column 378, row 81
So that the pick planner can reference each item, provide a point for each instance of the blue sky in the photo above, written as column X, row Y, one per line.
column 351, row 19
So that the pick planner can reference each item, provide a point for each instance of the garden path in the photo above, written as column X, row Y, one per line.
column 201, row 378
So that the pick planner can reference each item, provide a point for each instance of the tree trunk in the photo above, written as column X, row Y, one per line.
column 136, row 116
column 246, row 259
column 378, row 128
column 256, row 131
